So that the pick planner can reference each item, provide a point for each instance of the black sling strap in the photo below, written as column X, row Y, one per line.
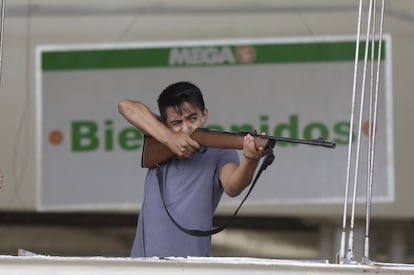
column 269, row 157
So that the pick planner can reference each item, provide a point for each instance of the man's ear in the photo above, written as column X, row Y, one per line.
column 205, row 115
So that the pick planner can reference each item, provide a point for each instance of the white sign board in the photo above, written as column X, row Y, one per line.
column 89, row 156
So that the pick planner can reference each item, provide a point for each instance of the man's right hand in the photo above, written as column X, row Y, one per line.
column 182, row 145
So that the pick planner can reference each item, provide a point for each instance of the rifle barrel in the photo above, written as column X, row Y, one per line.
column 315, row 142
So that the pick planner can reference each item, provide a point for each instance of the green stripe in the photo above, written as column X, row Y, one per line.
column 159, row 57
column 311, row 52
column 103, row 59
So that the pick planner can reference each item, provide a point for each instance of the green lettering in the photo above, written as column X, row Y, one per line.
column 129, row 139
column 84, row 136
column 241, row 128
column 342, row 130
column 264, row 124
column 109, row 135
column 290, row 128
column 216, row 127
column 322, row 131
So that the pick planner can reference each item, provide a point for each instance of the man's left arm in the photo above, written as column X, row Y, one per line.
column 235, row 178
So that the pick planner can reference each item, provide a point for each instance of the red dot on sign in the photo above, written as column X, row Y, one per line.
column 55, row 137
column 365, row 128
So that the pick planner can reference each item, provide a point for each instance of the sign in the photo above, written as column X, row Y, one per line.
column 89, row 155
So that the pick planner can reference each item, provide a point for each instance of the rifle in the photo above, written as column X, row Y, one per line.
column 154, row 152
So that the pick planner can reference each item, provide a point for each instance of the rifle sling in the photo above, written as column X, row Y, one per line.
column 269, row 157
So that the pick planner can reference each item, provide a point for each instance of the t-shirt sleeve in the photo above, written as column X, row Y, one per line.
column 226, row 156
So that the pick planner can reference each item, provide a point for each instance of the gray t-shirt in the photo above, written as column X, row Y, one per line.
column 192, row 191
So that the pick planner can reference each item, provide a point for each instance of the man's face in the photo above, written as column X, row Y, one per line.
column 190, row 119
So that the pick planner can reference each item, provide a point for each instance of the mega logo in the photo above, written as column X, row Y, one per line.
column 211, row 55
column 89, row 136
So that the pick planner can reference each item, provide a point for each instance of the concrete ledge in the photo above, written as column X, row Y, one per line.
column 101, row 265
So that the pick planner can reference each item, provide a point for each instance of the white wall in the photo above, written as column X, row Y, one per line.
column 30, row 23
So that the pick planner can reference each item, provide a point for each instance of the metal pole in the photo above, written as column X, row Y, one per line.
column 350, row 252
column 372, row 135
column 3, row 7
column 348, row 167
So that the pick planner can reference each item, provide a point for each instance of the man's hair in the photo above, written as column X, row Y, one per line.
column 178, row 93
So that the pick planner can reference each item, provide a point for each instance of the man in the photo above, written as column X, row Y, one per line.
column 193, row 181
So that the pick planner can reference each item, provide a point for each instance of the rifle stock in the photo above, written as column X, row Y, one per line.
column 154, row 152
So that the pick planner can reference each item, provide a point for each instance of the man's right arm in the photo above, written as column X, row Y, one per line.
column 139, row 115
